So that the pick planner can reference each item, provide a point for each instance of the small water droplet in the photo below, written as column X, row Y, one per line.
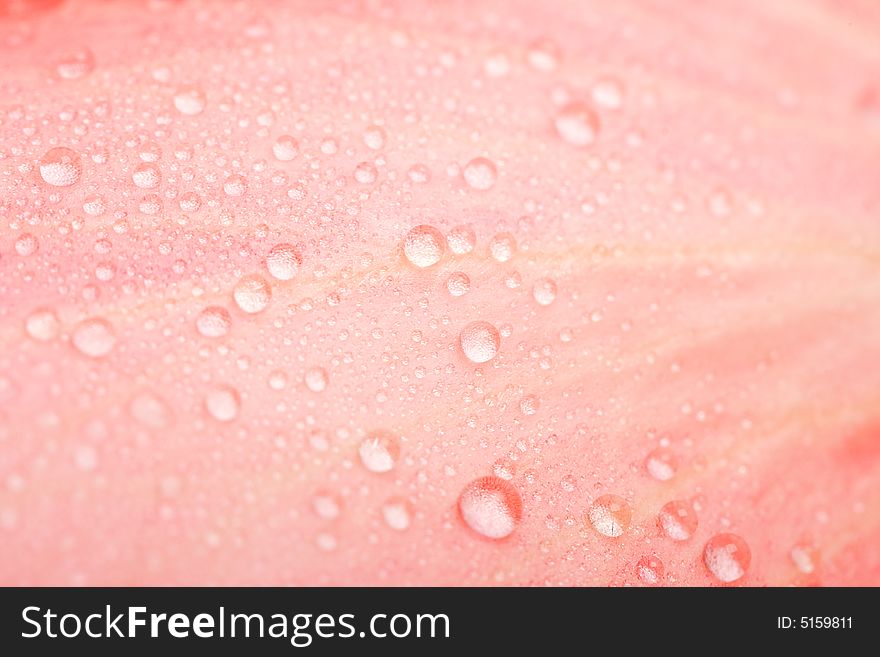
column 529, row 405
column 678, row 520
column 285, row 148
column 423, row 246
column 610, row 515
column 805, row 557
column 42, row 324
column 543, row 55
column 60, row 167
column 316, row 379
column 76, row 64
column 283, row 261
column 213, row 322
column 480, row 342
column 327, row 505
column 235, row 185
column 150, row 410
column 502, row 247
column 365, row 173
column 661, row 464
column 190, row 100
column 94, row 205
column 480, row 174
column 461, row 240
column 397, row 513
column 94, row 337
column 649, row 570
column 252, row 293
column 26, row 244
column 146, row 175
column 577, row 124
column 608, row 93
column 458, row 283
column 374, row 137
column 544, row 291
column 727, row 557
column 223, row 403
column 379, row 451
column 491, row 507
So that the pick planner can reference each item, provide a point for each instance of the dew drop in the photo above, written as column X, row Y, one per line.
column 678, row 520
column 26, row 244
column 285, row 148
column 150, row 410
column 397, row 514
column 42, row 324
column 252, row 293
column 223, row 403
column 94, row 205
column 316, row 379
column 727, row 557
column 94, row 337
column 146, row 175
column 661, row 464
column 461, row 240
column 283, row 261
column 379, row 451
column 76, row 64
column 213, row 322
column 577, row 124
column 610, row 515
column 544, row 291
column 365, row 173
column 502, row 247
column 190, row 101
column 491, row 507
column 480, row 174
column 235, row 185
column 423, row 246
column 543, row 55
column 374, row 138
column 60, row 167
column 458, row 283
column 479, row 342
column 649, row 570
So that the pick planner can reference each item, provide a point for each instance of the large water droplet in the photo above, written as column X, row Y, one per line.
column 727, row 557
column 283, row 261
column 610, row 515
column 94, row 337
column 480, row 341
column 213, row 322
column 491, row 507
column 190, row 100
column 60, row 167
column 423, row 246
column 379, row 451
column 480, row 173
column 678, row 520
column 577, row 124
column 252, row 293
column 223, row 403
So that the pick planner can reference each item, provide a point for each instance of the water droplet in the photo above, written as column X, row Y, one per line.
column 213, row 322
column 480, row 173
column 365, row 173
column 94, row 337
column 544, row 291
column 76, row 64
column 223, row 403
column 374, row 137
column 678, row 520
column 608, row 93
column 649, row 570
column 283, row 261
column 235, row 185
column 502, row 247
column 146, row 175
column 458, row 283
column 496, row 65
column 190, row 100
column 805, row 557
column 60, row 167
column 529, row 405
column 327, row 505
column 379, row 451
column 316, row 379
column 419, row 174
column 610, row 515
column 461, row 240
column 727, row 557
column 491, row 507
column 661, row 464
column 543, row 55
column 94, row 205
column 26, row 244
column 42, row 324
column 480, row 342
column 423, row 246
column 150, row 410
column 577, row 124
column 252, row 293
column 285, row 148
column 397, row 513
